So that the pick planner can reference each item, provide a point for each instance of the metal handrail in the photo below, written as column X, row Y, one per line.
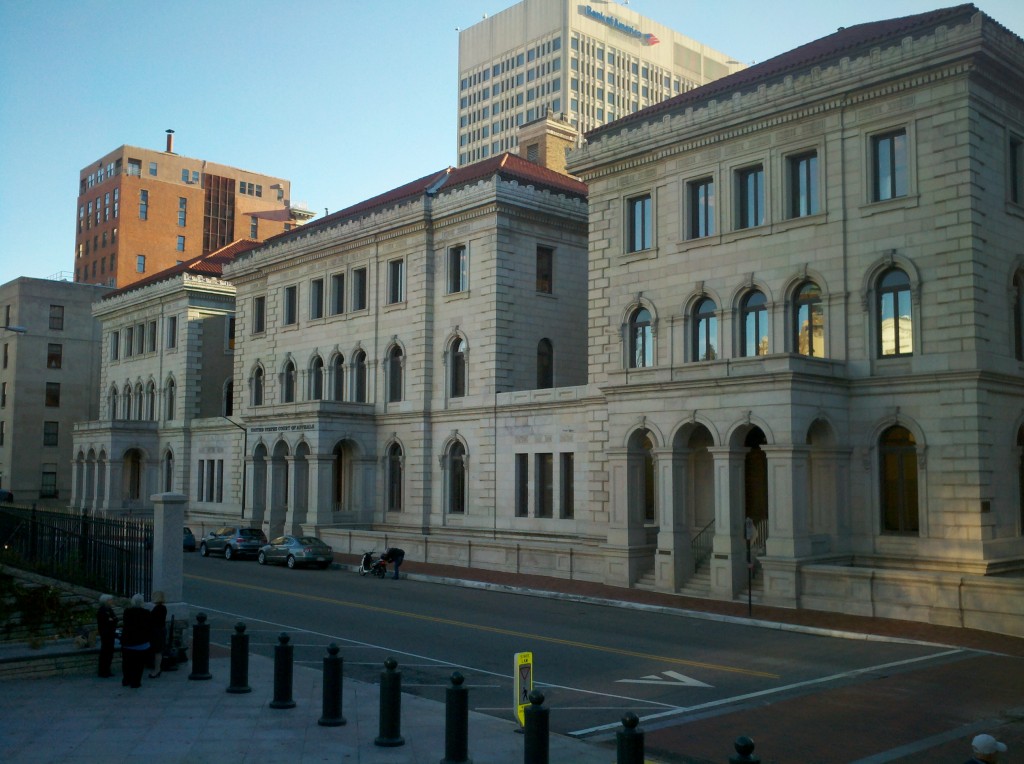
column 701, row 545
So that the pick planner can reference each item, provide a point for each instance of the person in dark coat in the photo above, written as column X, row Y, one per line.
column 157, row 636
column 106, row 624
column 394, row 555
column 134, row 642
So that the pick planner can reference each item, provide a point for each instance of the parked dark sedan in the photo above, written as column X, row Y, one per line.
column 189, row 544
column 294, row 551
column 233, row 542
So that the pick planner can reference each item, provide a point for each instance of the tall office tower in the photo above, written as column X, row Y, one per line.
column 592, row 63
column 141, row 211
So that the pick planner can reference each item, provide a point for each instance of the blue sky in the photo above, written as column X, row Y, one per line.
column 346, row 99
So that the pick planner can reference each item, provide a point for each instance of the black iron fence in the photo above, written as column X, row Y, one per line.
column 114, row 555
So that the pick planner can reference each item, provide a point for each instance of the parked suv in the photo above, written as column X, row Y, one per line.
column 233, row 541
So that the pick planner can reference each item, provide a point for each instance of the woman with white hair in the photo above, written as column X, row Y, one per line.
column 134, row 642
column 106, row 624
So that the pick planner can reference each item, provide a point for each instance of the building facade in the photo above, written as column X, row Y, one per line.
column 592, row 63
column 165, row 421
column 805, row 317
column 141, row 211
column 48, row 374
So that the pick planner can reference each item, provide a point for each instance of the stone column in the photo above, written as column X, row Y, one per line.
column 168, row 520
column 115, row 469
column 674, row 556
column 788, row 518
column 729, row 550
column 320, row 509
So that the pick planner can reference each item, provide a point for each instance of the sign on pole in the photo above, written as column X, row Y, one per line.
column 523, row 684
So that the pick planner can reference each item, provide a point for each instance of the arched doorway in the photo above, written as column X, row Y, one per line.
column 279, row 489
column 131, row 486
column 755, row 481
column 301, row 469
column 341, row 477
column 642, row 494
column 259, row 483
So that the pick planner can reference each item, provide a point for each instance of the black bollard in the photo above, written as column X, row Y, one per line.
column 390, row 706
column 456, row 722
column 239, row 661
column 201, row 649
column 535, row 748
column 744, row 751
column 332, row 689
column 630, row 741
column 284, row 658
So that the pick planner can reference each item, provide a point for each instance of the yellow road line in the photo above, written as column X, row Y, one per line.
column 492, row 629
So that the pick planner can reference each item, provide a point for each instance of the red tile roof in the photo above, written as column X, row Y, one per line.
column 211, row 264
column 510, row 166
column 847, row 41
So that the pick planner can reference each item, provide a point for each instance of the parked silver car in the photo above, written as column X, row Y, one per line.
column 233, row 541
column 294, row 551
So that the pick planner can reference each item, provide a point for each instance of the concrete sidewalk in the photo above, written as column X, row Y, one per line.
column 173, row 719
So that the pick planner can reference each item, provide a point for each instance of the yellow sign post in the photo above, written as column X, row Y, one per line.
column 523, row 684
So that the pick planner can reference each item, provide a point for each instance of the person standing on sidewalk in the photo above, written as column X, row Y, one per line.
column 394, row 555
column 106, row 625
column 986, row 750
column 134, row 642
column 157, row 635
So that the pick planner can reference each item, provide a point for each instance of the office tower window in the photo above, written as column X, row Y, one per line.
column 545, row 364
column 254, row 227
column 48, row 483
column 143, row 205
column 140, row 263
column 890, row 165
column 56, row 317
column 182, row 210
column 51, row 432
column 181, row 244
column 152, row 168
column 52, row 395
column 54, row 355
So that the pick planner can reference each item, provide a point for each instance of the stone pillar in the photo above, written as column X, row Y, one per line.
column 674, row 557
column 321, row 489
column 788, row 518
column 729, row 549
column 115, row 469
column 168, row 520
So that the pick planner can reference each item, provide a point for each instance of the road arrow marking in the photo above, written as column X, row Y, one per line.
column 675, row 679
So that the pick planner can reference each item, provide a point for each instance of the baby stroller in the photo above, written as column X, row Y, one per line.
column 371, row 566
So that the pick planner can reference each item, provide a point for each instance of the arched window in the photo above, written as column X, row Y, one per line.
column 705, row 331
column 126, row 402
column 641, row 346
column 895, row 325
column 394, row 477
column 139, row 402
column 150, row 401
column 1018, row 316
column 171, row 403
column 288, row 383
column 359, row 377
column 457, row 370
column 545, row 364
column 168, row 472
column 809, row 321
column 898, row 471
column 395, row 374
column 754, row 317
column 338, row 377
column 316, row 379
column 457, row 479
column 257, row 387
column 114, row 401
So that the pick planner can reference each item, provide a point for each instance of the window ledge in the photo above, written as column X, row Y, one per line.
column 818, row 218
column 643, row 254
column 899, row 203
column 395, row 306
column 701, row 241
column 463, row 295
column 744, row 233
column 1015, row 209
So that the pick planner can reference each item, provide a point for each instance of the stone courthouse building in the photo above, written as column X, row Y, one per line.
column 785, row 311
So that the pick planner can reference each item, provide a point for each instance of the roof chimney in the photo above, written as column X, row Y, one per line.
column 170, row 141
column 545, row 141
